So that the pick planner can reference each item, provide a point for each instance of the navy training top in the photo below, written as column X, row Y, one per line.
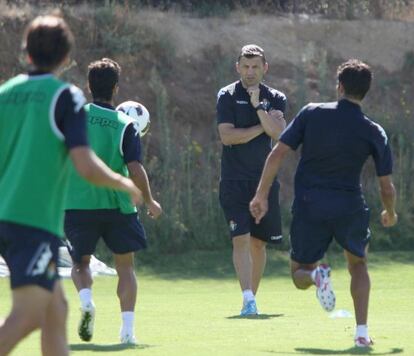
column 337, row 139
column 245, row 161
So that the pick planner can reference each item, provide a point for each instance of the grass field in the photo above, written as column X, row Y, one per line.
column 189, row 305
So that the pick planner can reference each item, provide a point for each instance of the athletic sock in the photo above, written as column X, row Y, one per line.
column 127, row 322
column 361, row 331
column 85, row 296
column 247, row 296
column 313, row 274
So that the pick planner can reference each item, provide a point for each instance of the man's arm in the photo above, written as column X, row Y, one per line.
column 273, row 122
column 259, row 204
column 229, row 135
column 94, row 170
column 388, row 197
column 140, row 178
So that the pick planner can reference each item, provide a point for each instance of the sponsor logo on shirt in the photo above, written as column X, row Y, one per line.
column 241, row 102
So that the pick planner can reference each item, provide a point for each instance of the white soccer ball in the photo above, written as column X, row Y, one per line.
column 138, row 112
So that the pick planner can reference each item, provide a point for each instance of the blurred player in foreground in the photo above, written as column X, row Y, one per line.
column 42, row 124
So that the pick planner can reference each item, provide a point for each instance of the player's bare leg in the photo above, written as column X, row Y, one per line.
column 242, row 260
column 360, row 289
column 127, row 294
column 360, row 286
column 243, row 265
column 28, row 314
column 81, row 274
column 301, row 274
column 82, row 278
column 54, row 337
column 258, row 255
column 127, row 282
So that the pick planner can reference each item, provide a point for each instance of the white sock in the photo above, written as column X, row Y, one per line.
column 361, row 331
column 127, row 321
column 247, row 296
column 85, row 296
column 313, row 274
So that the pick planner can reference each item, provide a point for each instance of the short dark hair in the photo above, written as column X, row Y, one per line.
column 355, row 77
column 250, row 51
column 103, row 76
column 48, row 40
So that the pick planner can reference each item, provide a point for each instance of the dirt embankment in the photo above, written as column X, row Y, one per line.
column 194, row 56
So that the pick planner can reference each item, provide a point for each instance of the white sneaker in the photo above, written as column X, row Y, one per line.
column 324, row 291
column 85, row 328
column 128, row 338
column 363, row 342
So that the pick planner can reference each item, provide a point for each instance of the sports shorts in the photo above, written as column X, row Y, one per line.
column 310, row 238
column 235, row 197
column 122, row 233
column 31, row 255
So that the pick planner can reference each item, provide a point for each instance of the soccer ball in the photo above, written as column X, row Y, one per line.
column 139, row 113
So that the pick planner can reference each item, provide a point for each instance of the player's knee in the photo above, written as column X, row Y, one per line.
column 357, row 266
column 298, row 285
column 241, row 244
column 258, row 245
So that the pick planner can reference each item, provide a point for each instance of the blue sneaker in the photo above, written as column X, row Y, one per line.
column 249, row 308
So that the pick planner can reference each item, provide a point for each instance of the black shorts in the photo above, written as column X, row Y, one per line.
column 31, row 255
column 310, row 238
column 235, row 197
column 122, row 233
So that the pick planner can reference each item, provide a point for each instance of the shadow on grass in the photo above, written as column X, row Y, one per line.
column 206, row 264
column 107, row 348
column 256, row 317
column 350, row 351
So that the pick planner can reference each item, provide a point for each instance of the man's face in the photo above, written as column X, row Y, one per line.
column 251, row 70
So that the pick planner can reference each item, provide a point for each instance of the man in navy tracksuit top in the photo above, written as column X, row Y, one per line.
column 249, row 117
column 337, row 139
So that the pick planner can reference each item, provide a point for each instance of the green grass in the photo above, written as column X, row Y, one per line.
column 189, row 305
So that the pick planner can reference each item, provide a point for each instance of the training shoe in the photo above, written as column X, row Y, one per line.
column 324, row 291
column 249, row 308
column 128, row 338
column 85, row 328
column 363, row 342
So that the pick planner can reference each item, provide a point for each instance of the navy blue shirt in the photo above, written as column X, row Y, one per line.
column 71, row 122
column 245, row 161
column 70, row 118
column 337, row 139
column 131, row 142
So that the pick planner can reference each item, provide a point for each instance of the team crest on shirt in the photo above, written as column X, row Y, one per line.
column 232, row 225
column 266, row 104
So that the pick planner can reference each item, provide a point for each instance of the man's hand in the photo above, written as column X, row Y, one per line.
column 254, row 95
column 279, row 119
column 258, row 207
column 387, row 219
column 154, row 209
